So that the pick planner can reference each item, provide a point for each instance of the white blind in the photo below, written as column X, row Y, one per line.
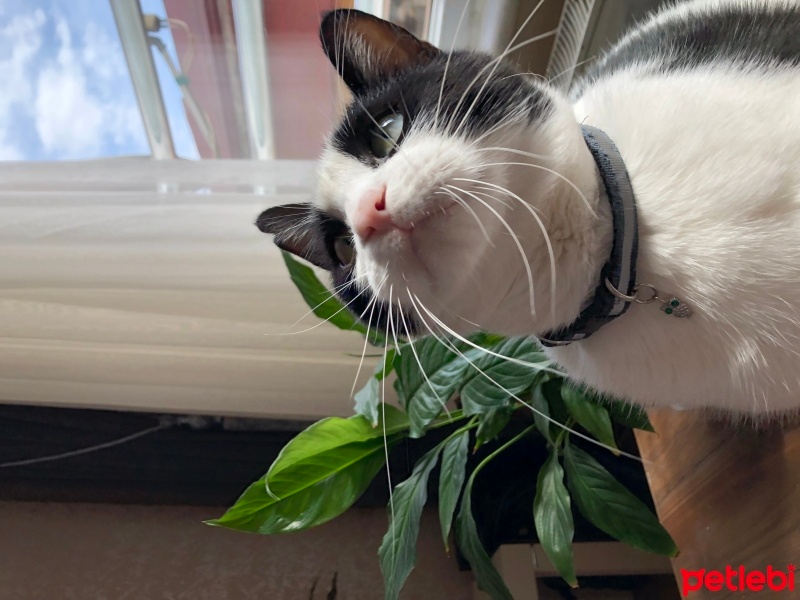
column 137, row 284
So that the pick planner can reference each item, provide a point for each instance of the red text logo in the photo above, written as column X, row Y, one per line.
column 737, row 580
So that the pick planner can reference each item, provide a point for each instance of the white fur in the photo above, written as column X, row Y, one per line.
column 714, row 158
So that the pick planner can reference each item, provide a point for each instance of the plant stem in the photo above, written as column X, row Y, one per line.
column 499, row 451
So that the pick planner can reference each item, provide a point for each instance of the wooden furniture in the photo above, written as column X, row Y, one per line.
column 522, row 564
column 728, row 495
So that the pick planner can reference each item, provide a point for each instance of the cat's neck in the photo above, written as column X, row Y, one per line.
column 575, row 215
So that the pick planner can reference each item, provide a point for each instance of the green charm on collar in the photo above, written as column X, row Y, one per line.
column 675, row 307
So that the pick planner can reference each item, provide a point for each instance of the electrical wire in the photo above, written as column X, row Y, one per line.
column 164, row 424
column 187, row 59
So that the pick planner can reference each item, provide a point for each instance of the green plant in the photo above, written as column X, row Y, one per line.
column 325, row 469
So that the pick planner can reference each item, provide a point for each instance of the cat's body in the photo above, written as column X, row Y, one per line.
column 713, row 152
column 703, row 103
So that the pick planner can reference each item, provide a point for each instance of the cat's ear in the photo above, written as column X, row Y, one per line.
column 297, row 230
column 365, row 49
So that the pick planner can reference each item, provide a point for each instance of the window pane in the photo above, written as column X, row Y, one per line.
column 68, row 93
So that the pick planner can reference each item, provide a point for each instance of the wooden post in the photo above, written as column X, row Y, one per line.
column 728, row 495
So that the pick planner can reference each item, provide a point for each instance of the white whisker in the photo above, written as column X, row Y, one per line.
column 514, row 396
column 547, row 241
column 364, row 351
column 502, row 55
column 505, row 224
column 551, row 171
column 336, row 290
column 447, row 64
column 421, row 368
column 323, row 321
column 463, row 203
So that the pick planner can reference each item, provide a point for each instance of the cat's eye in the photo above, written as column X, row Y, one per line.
column 343, row 246
column 383, row 140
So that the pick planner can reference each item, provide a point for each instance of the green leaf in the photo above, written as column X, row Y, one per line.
column 611, row 507
column 368, row 398
column 592, row 417
column 486, row 575
column 485, row 391
column 398, row 551
column 629, row 415
column 317, row 476
column 322, row 301
column 539, row 402
column 492, row 423
column 424, row 393
column 553, row 517
column 386, row 365
column 451, row 480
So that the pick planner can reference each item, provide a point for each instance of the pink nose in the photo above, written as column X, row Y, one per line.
column 371, row 216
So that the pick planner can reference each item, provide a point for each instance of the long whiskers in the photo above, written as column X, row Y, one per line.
column 551, row 171
column 447, row 64
column 463, row 203
column 364, row 350
column 497, row 62
column 461, row 338
column 532, row 211
column 361, row 293
column 421, row 368
column 505, row 224
column 514, row 396
column 335, row 291
column 385, row 438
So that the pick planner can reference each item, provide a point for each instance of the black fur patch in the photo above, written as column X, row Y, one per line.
column 750, row 35
column 414, row 93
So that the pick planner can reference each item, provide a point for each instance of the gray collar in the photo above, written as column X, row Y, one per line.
column 620, row 269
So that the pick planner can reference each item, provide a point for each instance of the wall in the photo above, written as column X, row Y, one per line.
column 107, row 552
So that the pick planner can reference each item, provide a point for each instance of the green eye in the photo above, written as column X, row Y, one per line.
column 343, row 246
column 383, row 140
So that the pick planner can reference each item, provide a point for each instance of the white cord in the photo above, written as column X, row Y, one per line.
column 123, row 440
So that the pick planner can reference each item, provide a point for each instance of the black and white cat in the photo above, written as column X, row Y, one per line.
column 468, row 196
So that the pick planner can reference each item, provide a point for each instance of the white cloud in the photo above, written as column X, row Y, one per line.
column 78, row 108
column 23, row 37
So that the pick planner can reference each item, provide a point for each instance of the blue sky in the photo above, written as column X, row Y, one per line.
column 67, row 93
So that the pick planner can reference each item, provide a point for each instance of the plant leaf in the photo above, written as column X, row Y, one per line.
column 492, row 423
column 317, row 476
column 451, row 480
column 553, row 517
column 629, row 415
column 424, row 398
column 592, row 417
column 486, row 575
column 386, row 365
column 611, row 507
column 322, row 301
column 368, row 398
column 398, row 551
column 539, row 402
column 480, row 394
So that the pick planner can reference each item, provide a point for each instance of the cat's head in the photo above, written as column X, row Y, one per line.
column 438, row 185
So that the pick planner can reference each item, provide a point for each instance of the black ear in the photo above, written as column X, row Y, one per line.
column 297, row 229
column 365, row 49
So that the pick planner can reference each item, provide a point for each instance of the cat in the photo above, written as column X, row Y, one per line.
column 645, row 226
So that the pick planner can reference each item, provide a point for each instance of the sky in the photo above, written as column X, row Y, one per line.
column 67, row 93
